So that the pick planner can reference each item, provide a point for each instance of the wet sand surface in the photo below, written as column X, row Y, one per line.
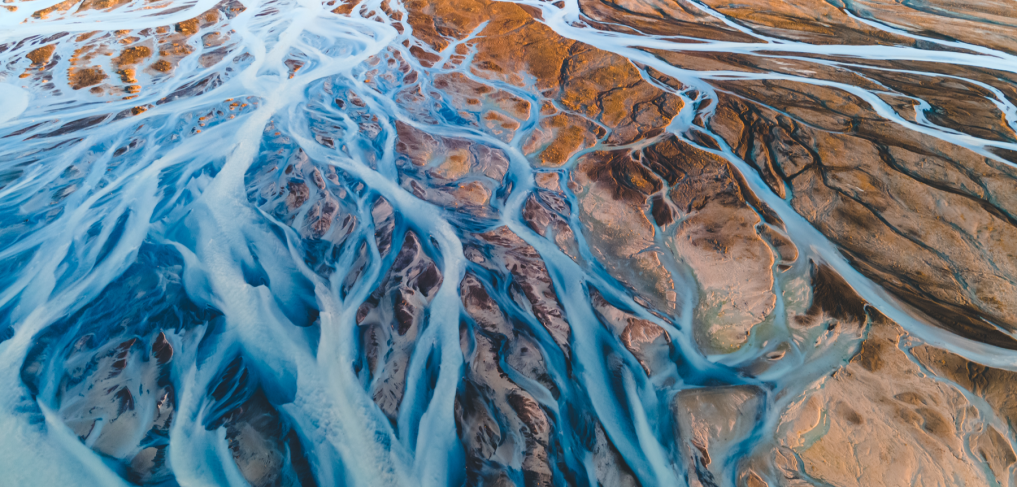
column 494, row 243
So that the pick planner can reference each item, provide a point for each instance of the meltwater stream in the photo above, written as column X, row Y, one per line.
column 274, row 243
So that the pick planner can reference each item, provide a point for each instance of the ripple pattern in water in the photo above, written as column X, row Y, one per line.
column 492, row 243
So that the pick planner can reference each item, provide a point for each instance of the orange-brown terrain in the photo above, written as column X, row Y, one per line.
column 492, row 243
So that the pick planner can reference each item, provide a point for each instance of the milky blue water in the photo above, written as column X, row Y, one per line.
column 161, row 296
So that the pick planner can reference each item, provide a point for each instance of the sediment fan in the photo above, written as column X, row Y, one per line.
column 464, row 242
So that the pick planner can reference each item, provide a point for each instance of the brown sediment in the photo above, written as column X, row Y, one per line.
column 345, row 7
column 41, row 56
column 188, row 27
column 106, row 395
column 881, row 406
column 588, row 82
column 471, row 97
column 127, row 75
column 133, row 55
column 648, row 342
column 528, row 270
column 812, row 21
column 162, row 66
column 560, row 137
column 993, row 385
column 60, row 7
column 709, row 420
column 660, row 18
column 101, row 4
column 612, row 206
column 928, row 220
column 933, row 223
column 84, row 77
column 716, row 236
column 600, row 96
column 448, row 171
column 388, row 338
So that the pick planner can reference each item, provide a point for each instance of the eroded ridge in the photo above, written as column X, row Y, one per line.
column 472, row 242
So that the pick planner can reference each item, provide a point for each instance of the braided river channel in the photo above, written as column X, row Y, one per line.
column 495, row 243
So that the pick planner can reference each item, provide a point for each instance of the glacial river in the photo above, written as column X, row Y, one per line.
column 167, row 319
